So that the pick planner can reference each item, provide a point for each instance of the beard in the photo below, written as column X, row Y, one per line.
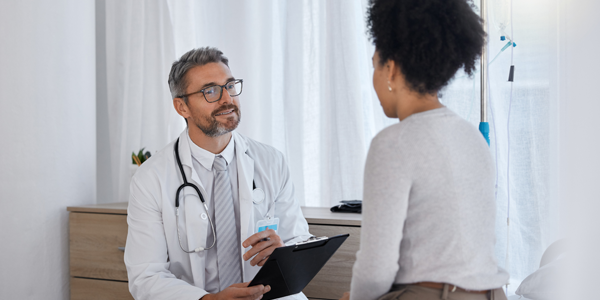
column 213, row 128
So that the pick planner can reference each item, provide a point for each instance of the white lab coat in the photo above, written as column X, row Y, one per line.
column 156, row 266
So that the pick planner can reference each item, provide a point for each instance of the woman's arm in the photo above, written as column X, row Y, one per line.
column 386, row 190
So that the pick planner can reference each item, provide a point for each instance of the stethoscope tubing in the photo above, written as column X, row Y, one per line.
column 181, row 187
column 188, row 184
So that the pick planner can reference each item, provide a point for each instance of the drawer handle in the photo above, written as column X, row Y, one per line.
column 121, row 249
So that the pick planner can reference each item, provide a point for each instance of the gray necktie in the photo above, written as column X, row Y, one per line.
column 228, row 246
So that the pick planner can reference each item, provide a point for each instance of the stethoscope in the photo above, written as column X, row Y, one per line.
column 258, row 195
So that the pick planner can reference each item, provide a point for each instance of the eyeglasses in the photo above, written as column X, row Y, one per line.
column 215, row 92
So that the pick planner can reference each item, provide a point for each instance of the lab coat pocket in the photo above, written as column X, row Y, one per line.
column 261, row 210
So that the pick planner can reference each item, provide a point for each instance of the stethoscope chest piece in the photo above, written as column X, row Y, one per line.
column 258, row 196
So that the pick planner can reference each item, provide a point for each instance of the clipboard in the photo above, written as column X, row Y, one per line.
column 289, row 269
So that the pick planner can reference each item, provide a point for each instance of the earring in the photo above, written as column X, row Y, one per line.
column 389, row 86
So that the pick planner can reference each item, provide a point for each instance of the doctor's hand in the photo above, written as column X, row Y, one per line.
column 239, row 291
column 263, row 244
column 346, row 296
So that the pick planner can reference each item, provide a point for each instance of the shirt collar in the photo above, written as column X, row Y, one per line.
column 206, row 158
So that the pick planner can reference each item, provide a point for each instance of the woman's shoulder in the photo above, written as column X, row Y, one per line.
column 410, row 130
column 389, row 135
column 439, row 123
column 427, row 131
column 395, row 142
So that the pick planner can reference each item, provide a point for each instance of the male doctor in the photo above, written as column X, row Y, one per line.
column 197, row 253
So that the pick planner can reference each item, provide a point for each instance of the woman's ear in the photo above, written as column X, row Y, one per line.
column 393, row 70
column 393, row 74
column 390, row 68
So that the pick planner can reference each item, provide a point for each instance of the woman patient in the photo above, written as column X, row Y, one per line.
column 429, row 208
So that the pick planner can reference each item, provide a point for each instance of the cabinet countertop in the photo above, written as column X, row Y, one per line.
column 313, row 215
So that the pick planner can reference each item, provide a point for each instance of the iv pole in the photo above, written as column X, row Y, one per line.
column 484, row 126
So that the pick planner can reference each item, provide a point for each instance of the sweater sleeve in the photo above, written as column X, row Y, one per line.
column 386, row 191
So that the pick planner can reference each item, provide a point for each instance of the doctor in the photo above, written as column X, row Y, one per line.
column 210, row 241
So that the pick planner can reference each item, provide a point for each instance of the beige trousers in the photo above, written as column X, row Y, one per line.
column 415, row 292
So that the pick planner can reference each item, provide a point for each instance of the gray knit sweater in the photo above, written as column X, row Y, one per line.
column 429, row 208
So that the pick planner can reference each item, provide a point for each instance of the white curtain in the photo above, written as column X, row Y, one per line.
column 307, row 72
column 526, row 143
column 528, row 171
column 139, row 53
column 307, row 88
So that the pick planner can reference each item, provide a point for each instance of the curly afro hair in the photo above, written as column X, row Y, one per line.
column 429, row 39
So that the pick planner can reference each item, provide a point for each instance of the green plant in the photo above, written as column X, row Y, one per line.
column 140, row 158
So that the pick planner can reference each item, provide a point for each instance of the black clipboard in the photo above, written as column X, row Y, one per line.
column 289, row 269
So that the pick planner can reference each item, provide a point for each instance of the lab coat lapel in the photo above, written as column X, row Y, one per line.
column 195, row 226
column 186, row 160
column 245, row 178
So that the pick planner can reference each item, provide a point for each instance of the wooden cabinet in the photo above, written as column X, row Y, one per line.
column 97, row 244
column 85, row 288
column 97, row 240
column 97, row 236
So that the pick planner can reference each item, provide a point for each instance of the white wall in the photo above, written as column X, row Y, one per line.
column 580, row 143
column 47, row 138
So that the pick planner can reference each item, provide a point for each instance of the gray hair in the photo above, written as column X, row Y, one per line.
column 193, row 58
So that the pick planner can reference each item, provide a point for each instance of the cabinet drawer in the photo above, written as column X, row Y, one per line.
column 334, row 278
column 93, row 289
column 94, row 245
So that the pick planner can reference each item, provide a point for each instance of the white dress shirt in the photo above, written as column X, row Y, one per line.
column 203, row 164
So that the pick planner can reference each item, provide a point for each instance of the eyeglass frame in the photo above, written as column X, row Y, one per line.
column 241, row 81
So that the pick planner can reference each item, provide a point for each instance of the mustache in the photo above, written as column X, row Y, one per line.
column 224, row 108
